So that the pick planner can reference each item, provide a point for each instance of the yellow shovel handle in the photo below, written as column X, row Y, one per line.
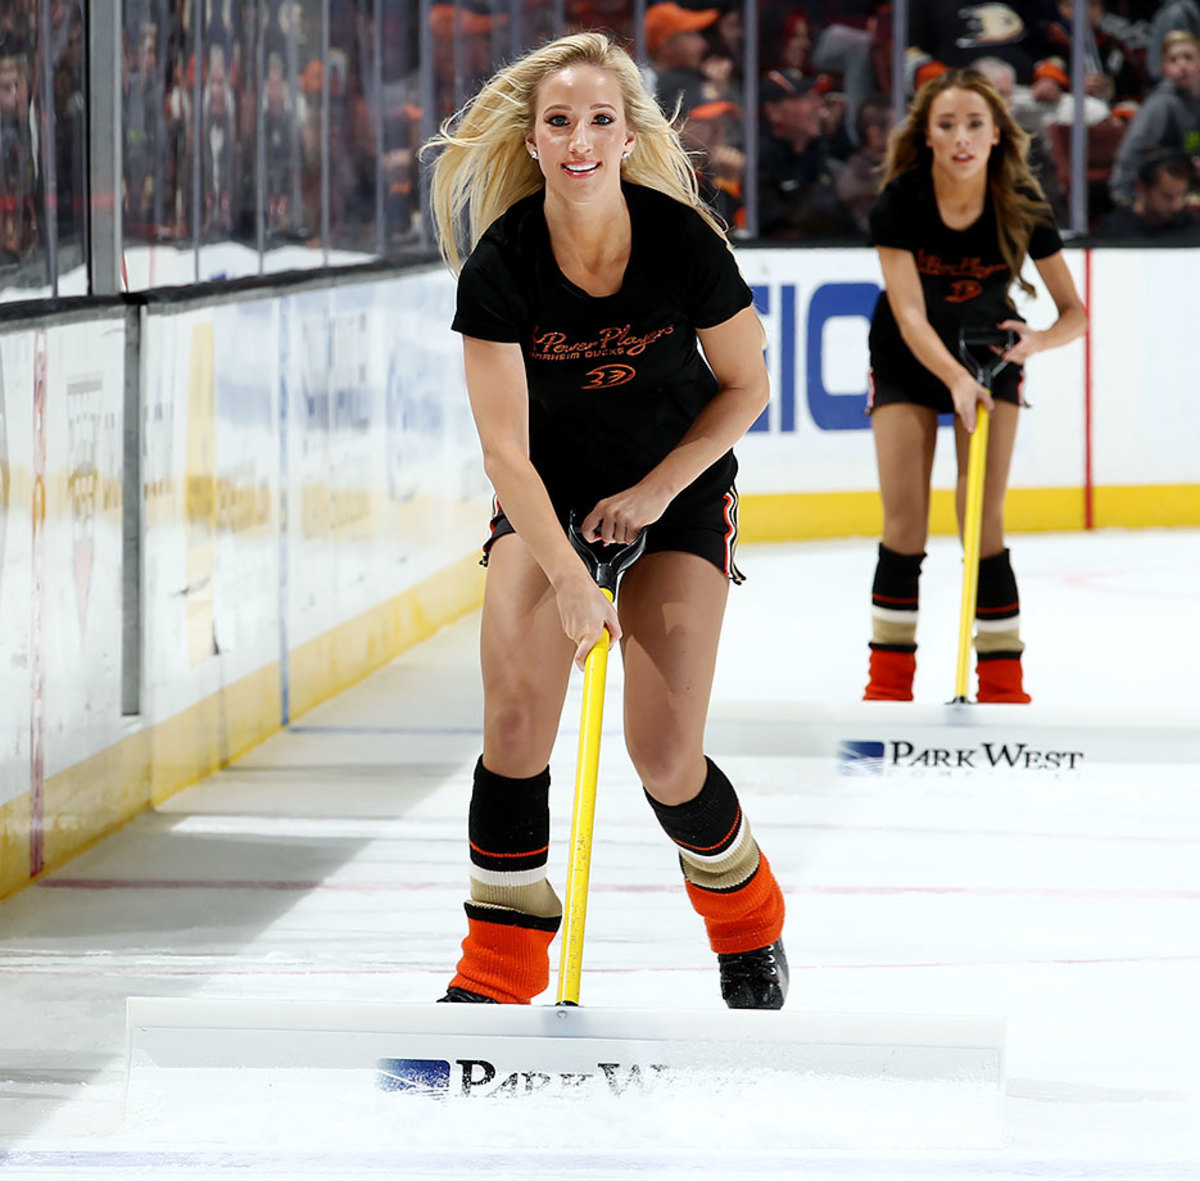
column 972, row 540
column 579, row 864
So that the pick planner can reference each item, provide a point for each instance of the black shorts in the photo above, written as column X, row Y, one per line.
column 884, row 391
column 706, row 526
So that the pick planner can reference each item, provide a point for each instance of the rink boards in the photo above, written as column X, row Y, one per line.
column 216, row 513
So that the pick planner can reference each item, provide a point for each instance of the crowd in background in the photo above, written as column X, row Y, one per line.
column 266, row 122
column 227, row 113
column 825, row 107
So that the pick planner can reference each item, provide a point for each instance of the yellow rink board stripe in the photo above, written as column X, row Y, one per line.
column 93, row 798
column 323, row 667
column 804, row 516
column 1148, row 506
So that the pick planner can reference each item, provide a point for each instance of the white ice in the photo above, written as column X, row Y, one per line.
column 329, row 864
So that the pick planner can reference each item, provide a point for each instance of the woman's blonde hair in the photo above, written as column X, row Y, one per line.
column 1016, row 195
column 483, row 167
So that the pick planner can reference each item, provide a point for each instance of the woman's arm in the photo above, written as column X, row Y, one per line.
column 734, row 351
column 1072, row 318
column 500, row 404
column 907, row 301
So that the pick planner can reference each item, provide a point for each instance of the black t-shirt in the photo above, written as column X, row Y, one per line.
column 964, row 277
column 614, row 381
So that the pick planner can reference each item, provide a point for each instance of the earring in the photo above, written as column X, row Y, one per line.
column 533, row 155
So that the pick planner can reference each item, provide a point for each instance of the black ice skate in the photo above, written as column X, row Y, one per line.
column 755, row 979
column 460, row 996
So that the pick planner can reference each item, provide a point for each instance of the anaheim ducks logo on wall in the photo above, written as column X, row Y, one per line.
column 989, row 24
column 607, row 376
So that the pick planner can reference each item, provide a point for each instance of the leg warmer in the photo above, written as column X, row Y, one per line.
column 895, row 597
column 728, row 879
column 998, row 645
column 513, row 913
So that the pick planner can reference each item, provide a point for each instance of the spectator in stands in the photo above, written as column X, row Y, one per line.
column 402, row 116
column 352, row 148
column 713, row 128
column 180, row 136
column 726, row 55
column 70, row 130
column 1049, row 100
column 793, row 50
column 19, row 229
column 1060, row 30
column 857, row 183
column 1169, row 118
column 473, row 28
column 217, row 141
column 844, row 46
column 1122, row 44
column 1003, row 77
column 281, row 146
column 1159, row 212
column 676, row 46
column 1114, row 49
column 728, row 35
column 144, row 116
column 1174, row 14
column 797, row 197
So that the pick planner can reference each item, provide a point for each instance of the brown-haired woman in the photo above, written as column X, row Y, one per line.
column 957, row 215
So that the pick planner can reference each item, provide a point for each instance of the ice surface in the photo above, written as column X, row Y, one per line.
column 329, row 864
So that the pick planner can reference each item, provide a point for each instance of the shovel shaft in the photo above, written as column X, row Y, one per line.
column 972, row 540
column 583, row 815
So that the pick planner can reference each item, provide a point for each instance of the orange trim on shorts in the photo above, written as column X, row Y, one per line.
column 730, row 534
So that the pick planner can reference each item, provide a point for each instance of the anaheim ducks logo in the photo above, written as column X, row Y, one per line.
column 963, row 289
column 989, row 24
column 604, row 377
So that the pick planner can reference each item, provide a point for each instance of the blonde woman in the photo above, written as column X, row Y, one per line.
column 958, row 214
column 593, row 271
